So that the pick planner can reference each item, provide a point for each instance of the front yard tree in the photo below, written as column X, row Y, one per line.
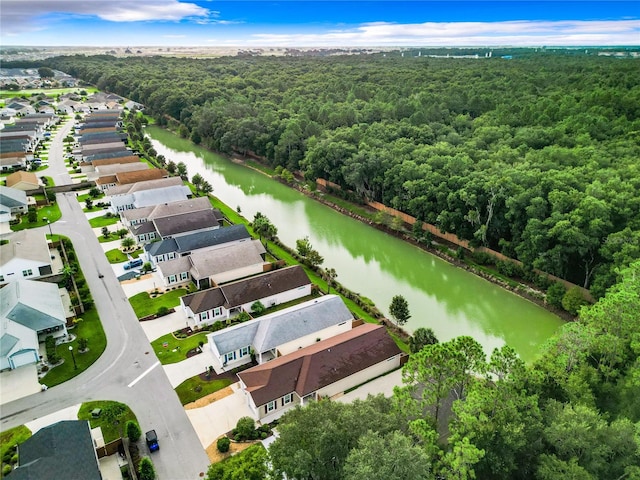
column 95, row 192
column 122, row 232
column 127, row 243
column 251, row 464
column 88, row 203
column 399, row 310
column 257, row 307
column 314, row 259
column 133, row 431
column 105, row 232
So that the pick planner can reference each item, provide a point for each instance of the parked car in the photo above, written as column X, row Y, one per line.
column 133, row 264
column 152, row 440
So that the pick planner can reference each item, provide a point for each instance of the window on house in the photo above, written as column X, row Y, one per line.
column 217, row 311
column 1, row 278
column 287, row 399
column 244, row 351
column 229, row 357
column 184, row 276
column 172, row 279
column 27, row 273
column 204, row 316
column 270, row 407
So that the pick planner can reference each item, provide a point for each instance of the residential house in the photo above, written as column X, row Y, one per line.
column 93, row 173
column 149, row 192
column 177, row 225
column 321, row 370
column 64, row 450
column 280, row 333
column 138, row 216
column 23, row 180
column 25, row 256
column 213, row 267
column 128, row 177
column 12, row 202
column 183, row 245
column 223, row 302
column 30, row 311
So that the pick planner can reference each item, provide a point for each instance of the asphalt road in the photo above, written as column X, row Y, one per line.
column 128, row 371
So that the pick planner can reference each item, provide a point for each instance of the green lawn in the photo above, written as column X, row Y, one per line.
column 50, row 212
column 103, row 221
column 112, row 236
column 144, row 305
column 193, row 388
column 89, row 327
column 51, row 92
column 50, row 182
column 116, row 256
column 110, row 431
column 13, row 436
column 176, row 349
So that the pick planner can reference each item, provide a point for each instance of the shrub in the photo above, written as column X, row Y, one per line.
column 82, row 344
column 555, row 292
column 573, row 300
column 14, row 459
column 215, row 326
column 246, row 429
column 133, row 431
column 6, row 470
column 482, row 258
column 223, row 444
column 146, row 470
column 162, row 311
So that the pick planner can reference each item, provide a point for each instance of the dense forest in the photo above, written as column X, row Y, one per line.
column 535, row 156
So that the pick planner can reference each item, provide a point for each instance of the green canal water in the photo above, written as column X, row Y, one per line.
column 450, row 300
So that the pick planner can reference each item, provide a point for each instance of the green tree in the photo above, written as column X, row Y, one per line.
column 105, row 232
column 257, row 307
column 133, row 431
column 393, row 456
column 146, row 470
column 46, row 72
column 573, row 300
column 88, row 203
column 329, row 275
column 197, row 181
column 223, row 444
column 421, row 337
column 303, row 246
column 555, row 294
column 122, row 232
column 263, row 227
column 399, row 310
column 113, row 413
column 245, row 428
column 128, row 243
column 206, row 188
column 314, row 259
column 95, row 192
column 250, row 464
column 181, row 168
column 32, row 216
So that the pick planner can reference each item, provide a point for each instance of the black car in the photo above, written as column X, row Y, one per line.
column 152, row 440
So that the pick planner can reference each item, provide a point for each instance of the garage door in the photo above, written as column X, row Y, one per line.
column 23, row 357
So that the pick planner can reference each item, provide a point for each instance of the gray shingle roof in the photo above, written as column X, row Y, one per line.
column 63, row 450
column 283, row 326
column 248, row 290
column 187, row 222
column 226, row 258
column 198, row 240
column 12, row 197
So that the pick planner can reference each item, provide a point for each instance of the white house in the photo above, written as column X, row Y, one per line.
column 223, row 302
column 12, row 203
column 144, row 194
column 280, row 333
column 26, row 256
column 321, row 370
column 29, row 312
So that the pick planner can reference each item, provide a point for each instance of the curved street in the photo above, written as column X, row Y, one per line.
column 128, row 371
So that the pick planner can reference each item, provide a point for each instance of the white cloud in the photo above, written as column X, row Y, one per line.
column 523, row 32
column 27, row 15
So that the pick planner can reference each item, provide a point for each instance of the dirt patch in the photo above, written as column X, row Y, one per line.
column 215, row 456
column 204, row 401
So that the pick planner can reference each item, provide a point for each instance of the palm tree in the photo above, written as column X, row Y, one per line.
column 197, row 181
column 127, row 243
column 329, row 276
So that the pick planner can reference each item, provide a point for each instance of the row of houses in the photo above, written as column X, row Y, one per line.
column 19, row 139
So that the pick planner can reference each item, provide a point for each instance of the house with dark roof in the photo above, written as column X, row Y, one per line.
column 29, row 312
column 322, row 370
column 25, row 256
column 175, row 247
column 213, row 267
column 280, row 333
column 177, row 225
column 64, row 450
column 137, row 216
column 226, row 301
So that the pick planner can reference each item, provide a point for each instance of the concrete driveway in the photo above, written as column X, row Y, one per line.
column 161, row 326
column 219, row 417
column 179, row 372
column 19, row 383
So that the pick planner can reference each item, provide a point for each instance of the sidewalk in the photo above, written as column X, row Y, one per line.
column 69, row 413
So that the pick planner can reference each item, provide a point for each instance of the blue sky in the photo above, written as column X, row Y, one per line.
column 317, row 23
